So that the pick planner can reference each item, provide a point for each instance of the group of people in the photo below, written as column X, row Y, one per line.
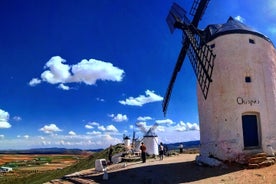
column 162, row 149
column 143, row 149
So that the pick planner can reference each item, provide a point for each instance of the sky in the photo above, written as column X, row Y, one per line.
column 82, row 74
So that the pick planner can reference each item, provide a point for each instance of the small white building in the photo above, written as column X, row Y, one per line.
column 100, row 165
column 127, row 141
column 238, row 117
column 5, row 169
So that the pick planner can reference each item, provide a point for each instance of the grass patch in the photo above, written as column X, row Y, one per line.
column 38, row 178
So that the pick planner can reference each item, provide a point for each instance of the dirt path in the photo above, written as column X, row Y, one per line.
column 175, row 169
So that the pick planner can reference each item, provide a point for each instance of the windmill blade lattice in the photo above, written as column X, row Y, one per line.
column 202, row 60
column 200, row 54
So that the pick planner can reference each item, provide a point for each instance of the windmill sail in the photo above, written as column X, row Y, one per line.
column 177, row 19
column 202, row 60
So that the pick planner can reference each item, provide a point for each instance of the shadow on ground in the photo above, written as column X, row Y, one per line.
column 164, row 173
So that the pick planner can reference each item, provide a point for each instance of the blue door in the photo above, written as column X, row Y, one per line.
column 250, row 131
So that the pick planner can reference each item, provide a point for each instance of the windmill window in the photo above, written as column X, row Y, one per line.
column 251, row 41
column 247, row 79
column 213, row 46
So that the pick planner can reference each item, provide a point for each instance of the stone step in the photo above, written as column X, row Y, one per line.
column 260, row 160
column 256, row 160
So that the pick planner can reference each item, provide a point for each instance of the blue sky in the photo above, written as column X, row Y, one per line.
column 80, row 74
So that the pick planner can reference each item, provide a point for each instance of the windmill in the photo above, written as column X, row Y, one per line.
column 200, row 54
column 150, row 138
column 235, row 67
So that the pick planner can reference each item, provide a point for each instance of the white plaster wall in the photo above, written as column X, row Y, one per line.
column 151, row 144
column 220, row 115
column 127, row 142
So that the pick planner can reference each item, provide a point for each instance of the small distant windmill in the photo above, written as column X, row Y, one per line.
column 200, row 54
column 150, row 139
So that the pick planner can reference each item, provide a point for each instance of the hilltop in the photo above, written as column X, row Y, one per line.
column 179, row 168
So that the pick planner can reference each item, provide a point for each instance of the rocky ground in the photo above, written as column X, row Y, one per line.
column 175, row 169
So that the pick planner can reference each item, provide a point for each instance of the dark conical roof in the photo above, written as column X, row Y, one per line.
column 231, row 26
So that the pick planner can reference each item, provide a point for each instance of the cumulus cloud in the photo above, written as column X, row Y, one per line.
column 118, row 117
column 72, row 133
column 141, row 100
column 111, row 128
column 239, row 18
column 86, row 71
column 4, row 118
column 91, row 125
column 26, row 136
column 100, row 99
column 2, row 136
column 88, row 126
column 181, row 126
column 50, row 129
column 145, row 118
column 94, row 133
column 108, row 128
column 57, row 71
column 102, row 128
column 160, row 129
column 94, row 123
column 63, row 87
column 17, row 118
column 165, row 121
column 34, row 82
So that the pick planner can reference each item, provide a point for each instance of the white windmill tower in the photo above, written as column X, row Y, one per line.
column 236, row 71
column 150, row 139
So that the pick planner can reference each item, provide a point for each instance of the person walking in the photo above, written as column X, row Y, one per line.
column 181, row 148
column 110, row 154
column 143, row 149
column 161, row 151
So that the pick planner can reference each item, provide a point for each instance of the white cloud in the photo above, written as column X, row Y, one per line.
column 181, row 126
column 94, row 133
column 34, row 82
column 239, row 18
column 89, row 71
column 193, row 126
column 94, row 123
column 145, row 118
column 26, row 136
column 160, row 129
column 88, row 126
column 119, row 117
column 141, row 100
column 17, row 118
column 2, row 136
column 86, row 71
column 165, row 121
column 63, row 87
column 111, row 128
column 72, row 133
column 4, row 118
column 50, row 129
column 100, row 99
column 102, row 128
column 58, row 72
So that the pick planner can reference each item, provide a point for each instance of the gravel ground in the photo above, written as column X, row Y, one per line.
column 175, row 169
